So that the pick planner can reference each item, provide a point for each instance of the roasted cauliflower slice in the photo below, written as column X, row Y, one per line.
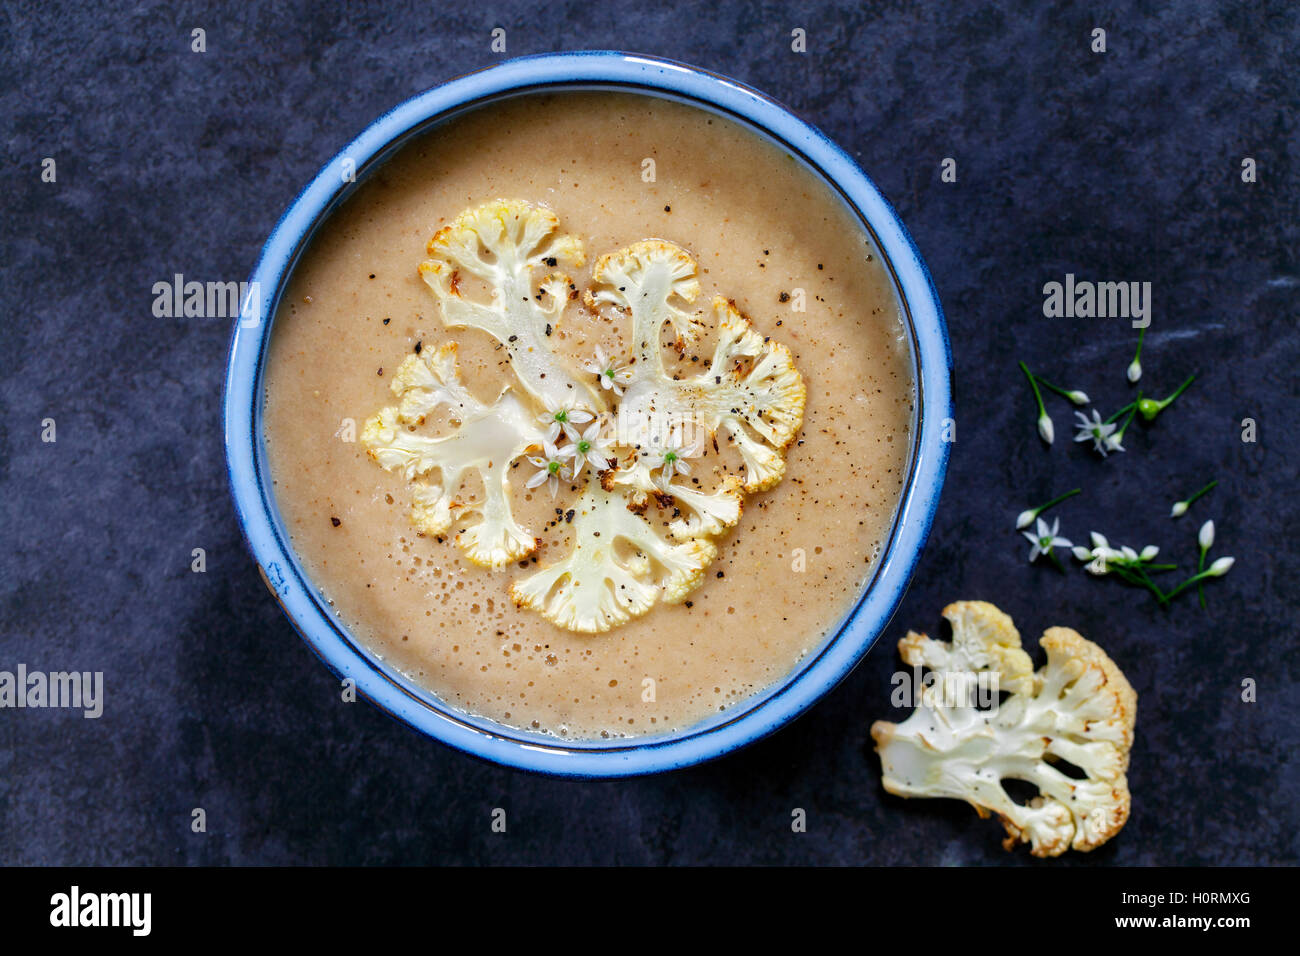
column 751, row 388
column 1079, row 709
column 509, row 245
column 618, row 568
column 487, row 438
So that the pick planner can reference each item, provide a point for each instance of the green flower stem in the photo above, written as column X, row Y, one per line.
column 1200, row 568
column 1204, row 491
column 1137, row 356
column 1033, row 383
column 1151, row 585
column 1056, row 501
column 1178, row 391
column 1132, row 411
column 1127, row 408
column 1063, row 392
column 1194, row 579
column 1135, row 577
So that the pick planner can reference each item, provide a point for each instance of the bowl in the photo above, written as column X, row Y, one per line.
column 764, row 712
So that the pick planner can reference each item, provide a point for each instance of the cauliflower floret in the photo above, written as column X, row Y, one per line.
column 506, row 244
column 697, row 513
column 751, row 387
column 645, row 278
column 1078, row 709
column 618, row 568
column 487, row 439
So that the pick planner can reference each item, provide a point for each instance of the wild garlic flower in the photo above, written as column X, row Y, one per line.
column 1205, row 537
column 673, row 458
column 1097, row 432
column 612, row 376
column 1045, row 540
column 564, row 420
column 1101, row 555
column 551, row 469
column 590, row 448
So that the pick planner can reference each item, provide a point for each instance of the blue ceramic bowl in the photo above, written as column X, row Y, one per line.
column 746, row 722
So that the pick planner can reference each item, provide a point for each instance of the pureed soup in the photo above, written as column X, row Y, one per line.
column 619, row 446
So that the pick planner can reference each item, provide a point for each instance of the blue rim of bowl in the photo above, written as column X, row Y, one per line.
column 758, row 715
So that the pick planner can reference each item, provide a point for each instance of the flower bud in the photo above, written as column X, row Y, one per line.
column 1078, row 397
column 1149, row 552
column 1026, row 518
column 1135, row 371
column 1179, row 509
column 1205, row 537
column 1045, row 429
column 1221, row 567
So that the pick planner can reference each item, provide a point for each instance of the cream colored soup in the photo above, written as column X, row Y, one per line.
column 761, row 228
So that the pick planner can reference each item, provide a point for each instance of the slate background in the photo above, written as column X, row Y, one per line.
column 1122, row 166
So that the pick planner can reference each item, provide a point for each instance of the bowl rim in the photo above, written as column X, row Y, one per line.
column 760, row 714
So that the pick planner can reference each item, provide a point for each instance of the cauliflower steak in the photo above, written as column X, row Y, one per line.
column 1077, row 710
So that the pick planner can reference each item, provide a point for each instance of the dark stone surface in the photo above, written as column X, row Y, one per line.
column 1123, row 166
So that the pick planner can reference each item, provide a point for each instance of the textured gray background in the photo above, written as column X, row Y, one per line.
column 1122, row 166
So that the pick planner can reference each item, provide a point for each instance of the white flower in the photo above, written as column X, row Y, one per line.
column 1113, row 442
column 611, row 375
column 1098, row 565
column 1179, row 509
column 1045, row 428
column 1095, row 431
column 1078, row 397
column 1221, row 567
column 564, row 419
column 1149, row 552
column 673, row 459
column 1082, row 553
column 551, row 469
column 590, row 448
column 1134, row 370
column 1044, row 539
column 1098, row 540
column 1026, row 518
column 1205, row 537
